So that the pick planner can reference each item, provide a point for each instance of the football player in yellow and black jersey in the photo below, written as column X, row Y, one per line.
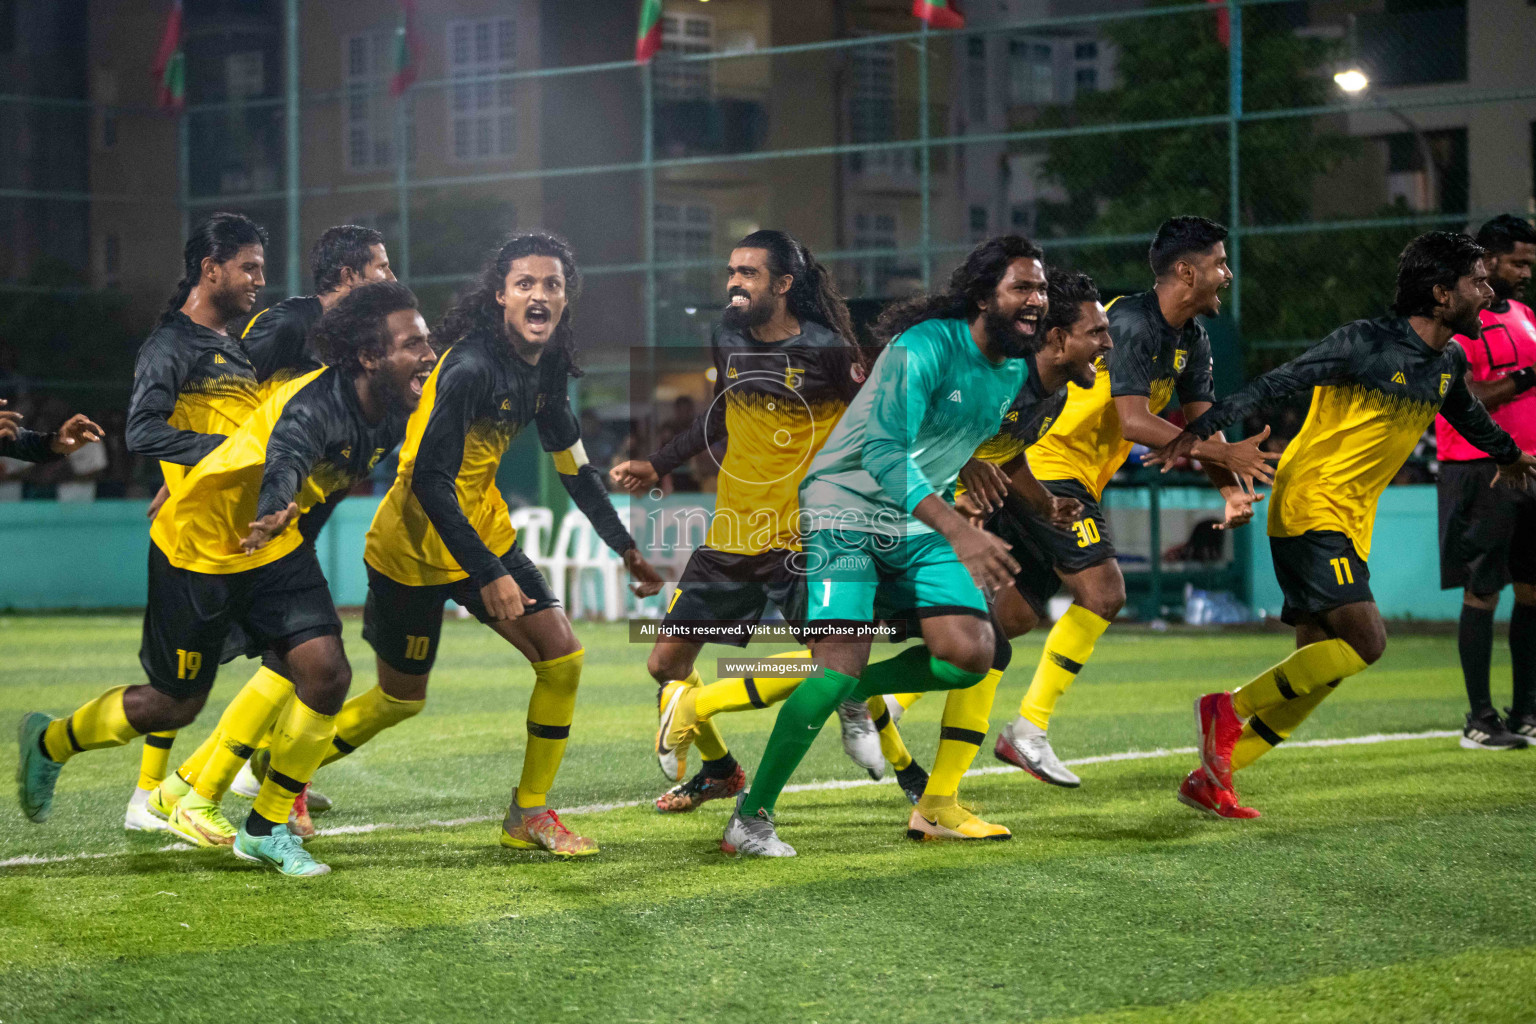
column 193, row 386
column 997, row 489
column 278, row 343
column 225, row 553
column 443, row 531
column 1160, row 349
column 786, row 367
column 1376, row 386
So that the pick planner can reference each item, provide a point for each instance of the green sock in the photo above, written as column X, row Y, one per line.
column 914, row 670
column 800, row 720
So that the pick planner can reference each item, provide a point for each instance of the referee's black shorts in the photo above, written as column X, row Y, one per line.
column 1487, row 533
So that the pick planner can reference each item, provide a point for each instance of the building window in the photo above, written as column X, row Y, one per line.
column 976, row 79
column 872, row 110
column 1031, row 72
column 875, row 230
column 1086, row 50
column 1086, row 79
column 682, row 36
column 368, row 110
column 244, row 75
column 685, row 232
column 482, row 121
column 111, row 260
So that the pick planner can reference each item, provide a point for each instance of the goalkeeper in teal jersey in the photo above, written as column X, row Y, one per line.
column 880, row 541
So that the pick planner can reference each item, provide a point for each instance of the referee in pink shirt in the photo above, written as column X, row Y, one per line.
column 1488, row 534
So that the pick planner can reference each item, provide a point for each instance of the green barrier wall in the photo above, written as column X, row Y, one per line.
column 61, row 556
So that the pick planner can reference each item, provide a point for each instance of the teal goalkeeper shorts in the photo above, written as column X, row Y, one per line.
column 857, row 578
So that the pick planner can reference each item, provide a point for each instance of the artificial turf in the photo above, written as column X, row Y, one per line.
column 1388, row 882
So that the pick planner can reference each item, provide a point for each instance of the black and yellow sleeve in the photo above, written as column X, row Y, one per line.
column 158, row 377
column 464, row 386
column 560, row 435
column 1469, row 416
column 297, row 442
column 1327, row 362
column 1197, row 381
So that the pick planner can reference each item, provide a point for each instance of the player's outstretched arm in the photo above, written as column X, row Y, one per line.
column 77, row 432
column 1469, row 416
column 983, row 554
column 1060, row 512
column 157, row 380
column 560, row 434
column 296, row 444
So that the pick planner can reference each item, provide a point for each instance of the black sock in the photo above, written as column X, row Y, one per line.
column 1522, row 656
column 911, row 776
column 1475, row 642
column 256, row 825
column 720, row 768
column 42, row 744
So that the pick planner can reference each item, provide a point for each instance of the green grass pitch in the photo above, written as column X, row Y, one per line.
column 1386, row 882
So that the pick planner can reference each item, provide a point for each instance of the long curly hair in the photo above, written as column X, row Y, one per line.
column 475, row 310
column 356, row 326
column 973, row 282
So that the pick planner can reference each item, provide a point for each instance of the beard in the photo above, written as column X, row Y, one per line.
column 743, row 318
column 1005, row 337
column 1503, row 290
column 396, row 393
column 1465, row 321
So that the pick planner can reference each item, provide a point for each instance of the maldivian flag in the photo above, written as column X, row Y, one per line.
column 170, row 67
column 1223, row 22
column 407, row 49
column 648, row 41
column 938, row 13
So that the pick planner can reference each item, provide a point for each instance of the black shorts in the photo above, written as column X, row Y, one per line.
column 310, row 524
column 1487, row 533
column 1318, row 572
column 189, row 616
column 403, row 623
column 1042, row 548
column 727, row 594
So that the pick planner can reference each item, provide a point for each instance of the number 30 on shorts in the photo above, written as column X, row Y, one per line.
column 1087, row 532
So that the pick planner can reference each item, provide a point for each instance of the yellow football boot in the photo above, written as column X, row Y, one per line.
column 942, row 818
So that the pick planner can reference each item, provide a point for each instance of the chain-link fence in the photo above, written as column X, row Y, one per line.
column 887, row 148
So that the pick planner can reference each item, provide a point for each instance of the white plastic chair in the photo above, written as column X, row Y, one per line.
column 579, row 554
column 533, row 524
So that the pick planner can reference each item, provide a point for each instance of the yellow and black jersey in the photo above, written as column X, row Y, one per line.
column 443, row 519
column 774, row 405
column 1027, row 420
column 1376, row 387
column 1150, row 358
column 192, row 388
column 277, row 340
column 309, row 439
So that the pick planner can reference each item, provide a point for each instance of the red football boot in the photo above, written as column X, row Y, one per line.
column 1219, row 728
column 299, row 822
column 688, row 796
column 1199, row 792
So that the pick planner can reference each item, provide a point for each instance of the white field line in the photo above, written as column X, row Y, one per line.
column 27, row 860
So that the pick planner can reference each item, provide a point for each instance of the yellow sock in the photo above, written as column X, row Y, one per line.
column 891, row 744
column 364, row 717
column 967, row 714
column 1309, row 667
column 192, row 767
column 155, row 761
column 300, row 739
column 1068, row 647
column 748, row 692
column 175, row 787
column 1263, row 734
column 94, row 725
column 550, row 711
column 245, row 721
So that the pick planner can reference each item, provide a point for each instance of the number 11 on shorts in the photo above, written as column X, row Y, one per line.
column 1341, row 570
